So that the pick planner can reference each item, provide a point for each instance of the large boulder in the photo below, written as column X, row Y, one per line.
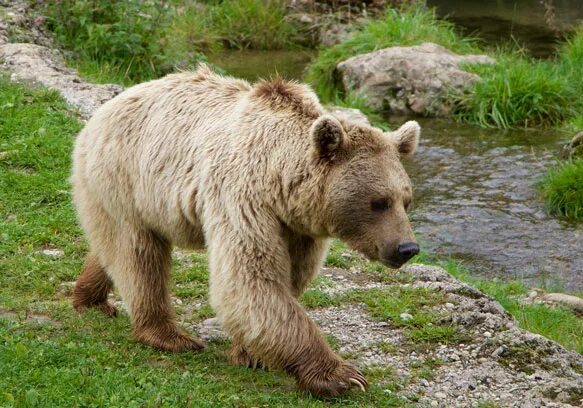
column 349, row 114
column 409, row 80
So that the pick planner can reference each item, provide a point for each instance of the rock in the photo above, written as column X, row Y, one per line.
column 53, row 253
column 572, row 302
column 406, row 316
column 39, row 64
column 409, row 80
column 335, row 34
column 533, row 294
column 574, row 149
column 349, row 114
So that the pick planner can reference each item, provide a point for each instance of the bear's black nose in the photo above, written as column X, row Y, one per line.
column 407, row 251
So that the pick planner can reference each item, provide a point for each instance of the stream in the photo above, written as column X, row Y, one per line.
column 477, row 201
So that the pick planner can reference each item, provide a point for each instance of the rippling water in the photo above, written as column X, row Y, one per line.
column 477, row 200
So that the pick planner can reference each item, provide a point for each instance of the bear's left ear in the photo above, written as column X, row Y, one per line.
column 407, row 138
column 328, row 135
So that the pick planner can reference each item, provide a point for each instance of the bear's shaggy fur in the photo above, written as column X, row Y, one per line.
column 259, row 175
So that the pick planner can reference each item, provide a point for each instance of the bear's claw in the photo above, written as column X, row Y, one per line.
column 346, row 376
column 239, row 356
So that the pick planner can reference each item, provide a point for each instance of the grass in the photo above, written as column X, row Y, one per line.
column 404, row 27
column 562, row 189
column 517, row 92
column 254, row 24
column 557, row 323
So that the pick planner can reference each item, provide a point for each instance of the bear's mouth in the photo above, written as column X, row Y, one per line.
column 392, row 264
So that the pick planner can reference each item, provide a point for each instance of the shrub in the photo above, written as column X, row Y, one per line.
column 563, row 189
column 124, row 36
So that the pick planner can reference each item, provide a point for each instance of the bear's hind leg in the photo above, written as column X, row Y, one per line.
column 142, row 276
column 92, row 288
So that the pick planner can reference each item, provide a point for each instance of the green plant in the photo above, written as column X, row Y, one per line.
column 516, row 92
column 562, row 188
column 239, row 24
column 126, row 36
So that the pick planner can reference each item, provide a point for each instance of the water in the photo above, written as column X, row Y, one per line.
column 477, row 200
column 537, row 24
column 476, row 195
column 252, row 65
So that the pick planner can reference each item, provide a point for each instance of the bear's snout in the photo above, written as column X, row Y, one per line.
column 396, row 257
column 407, row 251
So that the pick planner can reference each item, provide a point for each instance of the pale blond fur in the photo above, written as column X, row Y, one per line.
column 261, row 177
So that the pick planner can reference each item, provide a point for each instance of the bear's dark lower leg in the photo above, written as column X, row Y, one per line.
column 145, row 289
column 92, row 288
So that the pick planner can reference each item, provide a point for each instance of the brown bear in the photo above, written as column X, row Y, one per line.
column 262, row 177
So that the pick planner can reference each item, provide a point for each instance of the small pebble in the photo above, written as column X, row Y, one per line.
column 487, row 334
column 440, row 395
column 53, row 253
column 406, row 316
column 533, row 294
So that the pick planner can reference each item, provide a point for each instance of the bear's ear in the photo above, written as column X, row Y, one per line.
column 328, row 135
column 407, row 138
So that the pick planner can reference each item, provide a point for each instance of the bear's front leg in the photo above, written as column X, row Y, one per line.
column 251, row 292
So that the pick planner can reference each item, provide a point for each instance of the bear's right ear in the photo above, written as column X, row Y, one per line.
column 327, row 135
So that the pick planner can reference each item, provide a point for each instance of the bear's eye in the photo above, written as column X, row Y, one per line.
column 408, row 204
column 379, row 205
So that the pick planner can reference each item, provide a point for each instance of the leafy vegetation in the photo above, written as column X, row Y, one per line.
column 563, row 189
column 256, row 24
column 128, row 41
column 124, row 40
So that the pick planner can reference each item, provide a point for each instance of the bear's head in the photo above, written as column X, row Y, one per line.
column 368, row 192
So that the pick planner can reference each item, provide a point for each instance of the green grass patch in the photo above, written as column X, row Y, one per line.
column 517, row 92
column 253, row 24
column 113, row 39
column 422, row 325
column 562, row 189
column 126, row 41
column 404, row 27
column 557, row 323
